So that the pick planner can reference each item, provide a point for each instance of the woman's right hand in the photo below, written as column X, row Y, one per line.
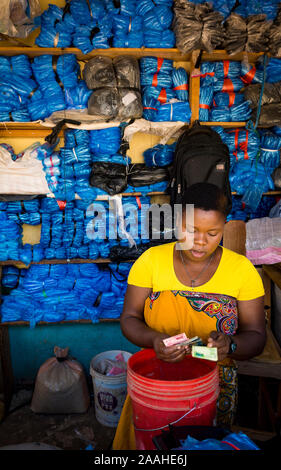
column 169, row 353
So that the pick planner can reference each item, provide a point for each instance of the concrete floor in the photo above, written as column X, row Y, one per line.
column 67, row 432
column 83, row 431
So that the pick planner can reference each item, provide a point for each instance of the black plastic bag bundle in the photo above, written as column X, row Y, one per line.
column 108, row 176
column 270, row 115
column 271, row 94
column 275, row 36
column 246, row 34
column 116, row 87
column 197, row 26
column 141, row 175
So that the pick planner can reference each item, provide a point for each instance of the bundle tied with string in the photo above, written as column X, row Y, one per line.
column 164, row 90
column 116, row 88
column 270, row 145
column 159, row 155
column 16, row 93
column 128, row 31
column 157, row 17
column 54, row 31
column 57, row 77
column 221, row 98
column 197, row 26
column 243, row 144
column 246, row 34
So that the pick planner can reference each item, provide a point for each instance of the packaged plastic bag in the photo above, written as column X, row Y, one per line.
column 60, row 386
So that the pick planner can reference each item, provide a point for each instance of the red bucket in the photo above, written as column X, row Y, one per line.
column 164, row 393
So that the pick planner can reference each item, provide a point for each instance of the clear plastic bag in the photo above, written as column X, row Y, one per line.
column 16, row 18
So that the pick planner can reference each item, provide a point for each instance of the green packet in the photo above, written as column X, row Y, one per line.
column 203, row 352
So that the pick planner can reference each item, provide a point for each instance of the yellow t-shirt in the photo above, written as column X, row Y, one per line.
column 235, row 276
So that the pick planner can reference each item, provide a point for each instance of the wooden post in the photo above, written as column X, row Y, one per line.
column 194, row 87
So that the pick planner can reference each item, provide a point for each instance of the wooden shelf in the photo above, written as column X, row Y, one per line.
column 62, row 261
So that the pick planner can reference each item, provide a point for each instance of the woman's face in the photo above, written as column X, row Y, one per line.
column 203, row 233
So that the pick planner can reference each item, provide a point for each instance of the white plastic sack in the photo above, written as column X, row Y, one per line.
column 263, row 240
column 14, row 21
column 24, row 176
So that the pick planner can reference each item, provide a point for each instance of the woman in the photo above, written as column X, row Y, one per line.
column 205, row 290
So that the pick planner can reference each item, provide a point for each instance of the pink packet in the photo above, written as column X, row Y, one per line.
column 175, row 339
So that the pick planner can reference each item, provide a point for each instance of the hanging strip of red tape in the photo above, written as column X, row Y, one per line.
column 162, row 97
column 61, row 204
column 138, row 202
column 249, row 76
column 155, row 76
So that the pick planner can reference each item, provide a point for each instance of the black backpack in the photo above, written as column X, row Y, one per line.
column 200, row 156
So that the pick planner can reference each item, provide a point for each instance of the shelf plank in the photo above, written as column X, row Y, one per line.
column 20, row 264
column 170, row 53
column 34, row 51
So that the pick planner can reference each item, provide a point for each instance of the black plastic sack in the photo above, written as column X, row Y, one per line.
column 141, row 175
column 271, row 93
column 275, row 36
column 127, row 72
column 270, row 115
column 115, row 103
column 99, row 72
column 108, row 176
column 246, row 34
column 197, row 26
column 276, row 176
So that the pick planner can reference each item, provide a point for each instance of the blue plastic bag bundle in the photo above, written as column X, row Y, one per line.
column 19, row 64
column 250, row 179
column 180, row 83
column 253, row 7
column 77, row 97
column 128, row 31
column 159, row 81
column 166, row 39
column 94, row 35
column 232, row 441
column 270, row 145
column 105, row 141
column 222, row 99
column 235, row 113
column 243, row 144
column 157, row 20
column 52, row 33
column 117, row 158
column 177, row 111
column 11, row 277
column 76, row 137
column 250, row 74
column 205, row 102
column 32, row 205
column 273, row 70
column 227, row 68
column 54, row 74
column 159, row 155
column 84, row 11
column 163, row 95
column 78, row 154
column 207, row 73
column 238, row 211
column 155, row 71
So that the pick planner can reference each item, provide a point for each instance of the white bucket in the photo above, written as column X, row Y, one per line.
column 109, row 390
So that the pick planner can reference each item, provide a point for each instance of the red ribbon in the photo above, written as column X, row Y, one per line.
column 162, row 97
column 204, row 106
column 243, row 146
column 181, row 87
column 225, row 68
column 249, row 76
column 149, row 107
column 203, row 75
column 61, row 204
column 155, row 76
column 228, row 85
column 138, row 202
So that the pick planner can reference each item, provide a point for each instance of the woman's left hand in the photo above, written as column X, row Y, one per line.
column 220, row 341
